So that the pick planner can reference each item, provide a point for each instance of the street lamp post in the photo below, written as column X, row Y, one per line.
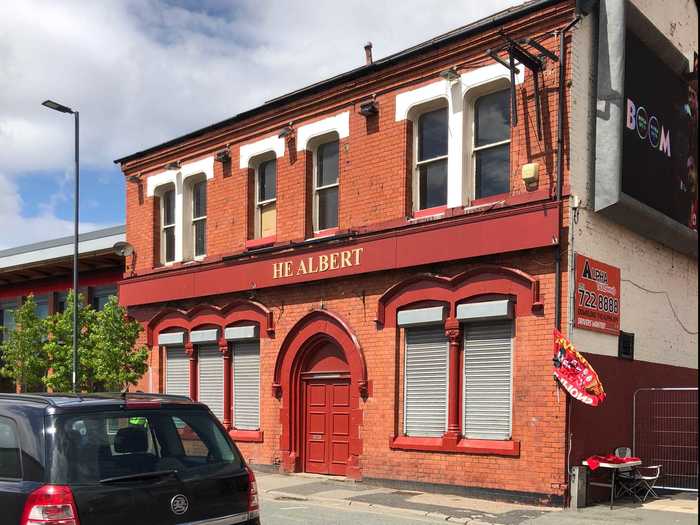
column 64, row 109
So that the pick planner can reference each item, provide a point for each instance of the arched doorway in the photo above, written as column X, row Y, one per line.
column 320, row 366
column 325, row 410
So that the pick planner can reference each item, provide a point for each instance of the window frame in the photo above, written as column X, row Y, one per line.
column 164, row 228
column 415, row 115
column 260, row 204
column 319, row 143
column 195, row 220
column 470, row 149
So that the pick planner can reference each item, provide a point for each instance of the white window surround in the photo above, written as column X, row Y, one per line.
column 339, row 124
column 255, row 149
column 455, row 93
column 177, row 178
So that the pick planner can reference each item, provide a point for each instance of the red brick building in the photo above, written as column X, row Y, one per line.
column 361, row 278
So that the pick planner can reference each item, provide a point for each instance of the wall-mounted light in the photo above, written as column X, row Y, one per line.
column 286, row 131
column 450, row 74
column 175, row 165
column 223, row 155
column 369, row 108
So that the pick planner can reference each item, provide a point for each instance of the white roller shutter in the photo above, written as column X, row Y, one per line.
column 488, row 380
column 177, row 371
column 211, row 378
column 425, row 381
column 246, row 385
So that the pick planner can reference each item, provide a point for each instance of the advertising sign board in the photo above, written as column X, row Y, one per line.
column 659, row 135
column 597, row 296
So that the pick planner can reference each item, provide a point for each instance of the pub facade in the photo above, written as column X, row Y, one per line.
column 361, row 278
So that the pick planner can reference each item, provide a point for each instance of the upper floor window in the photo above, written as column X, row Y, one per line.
column 491, row 145
column 431, row 159
column 167, row 206
column 199, row 218
column 266, row 199
column 326, row 186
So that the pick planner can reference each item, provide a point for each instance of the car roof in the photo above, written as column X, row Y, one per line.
column 92, row 401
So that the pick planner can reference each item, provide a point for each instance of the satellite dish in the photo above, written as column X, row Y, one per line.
column 123, row 249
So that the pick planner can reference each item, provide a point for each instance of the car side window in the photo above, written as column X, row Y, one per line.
column 10, row 466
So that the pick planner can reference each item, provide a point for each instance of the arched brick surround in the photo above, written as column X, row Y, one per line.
column 316, row 328
column 210, row 316
column 480, row 280
column 239, row 310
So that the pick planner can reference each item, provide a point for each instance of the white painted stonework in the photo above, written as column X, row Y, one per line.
column 248, row 151
column 455, row 93
column 659, row 301
column 177, row 178
column 338, row 123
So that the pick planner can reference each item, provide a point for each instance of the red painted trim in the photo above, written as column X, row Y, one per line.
column 61, row 284
column 247, row 436
column 226, row 353
column 237, row 311
column 251, row 244
column 328, row 232
column 479, row 280
column 191, row 351
column 430, row 242
column 464, row 446
column 429, row 212
column 316, row 328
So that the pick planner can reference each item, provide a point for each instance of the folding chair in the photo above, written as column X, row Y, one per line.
column 647, row 478
column 626, row 478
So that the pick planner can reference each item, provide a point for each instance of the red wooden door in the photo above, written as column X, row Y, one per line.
column 327, row 426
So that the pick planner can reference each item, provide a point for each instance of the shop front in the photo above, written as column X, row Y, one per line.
column 380, row 356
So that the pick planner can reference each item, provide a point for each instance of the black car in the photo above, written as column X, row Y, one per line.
column 108, row 459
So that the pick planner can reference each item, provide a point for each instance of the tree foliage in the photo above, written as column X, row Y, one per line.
column 116, row 363
column 22, row 349
column 59, row 348
column 39, row 353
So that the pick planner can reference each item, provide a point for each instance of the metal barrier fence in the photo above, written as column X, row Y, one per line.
column 665, row 426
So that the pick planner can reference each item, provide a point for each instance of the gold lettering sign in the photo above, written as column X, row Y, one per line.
column 318, row 263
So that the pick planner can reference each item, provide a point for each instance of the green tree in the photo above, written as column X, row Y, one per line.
column 59, row 348
column 23, row 357
column 117, row 363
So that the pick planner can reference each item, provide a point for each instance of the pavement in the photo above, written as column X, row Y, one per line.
column 315, row 499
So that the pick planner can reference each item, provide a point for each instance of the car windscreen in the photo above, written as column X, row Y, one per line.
column 108, row 446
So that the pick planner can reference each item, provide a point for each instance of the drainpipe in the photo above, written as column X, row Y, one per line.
column 558, row 197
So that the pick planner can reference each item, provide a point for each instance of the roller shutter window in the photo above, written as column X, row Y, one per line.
column 210, row 381
column 488, row 358
column 177, row 371
column 425, row 381
column 246, row 385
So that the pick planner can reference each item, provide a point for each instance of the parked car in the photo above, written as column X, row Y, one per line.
column 108, row 459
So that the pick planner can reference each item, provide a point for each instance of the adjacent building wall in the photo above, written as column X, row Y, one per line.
column 659, row 287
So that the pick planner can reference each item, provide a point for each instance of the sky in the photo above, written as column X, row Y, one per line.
column 144, row 71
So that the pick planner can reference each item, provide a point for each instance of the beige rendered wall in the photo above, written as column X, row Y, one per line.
column 659, row 301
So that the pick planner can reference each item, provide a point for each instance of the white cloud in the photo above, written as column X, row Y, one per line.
column 142, row 71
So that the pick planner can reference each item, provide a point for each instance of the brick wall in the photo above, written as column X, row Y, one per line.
column 538, row 411
column 375, row 160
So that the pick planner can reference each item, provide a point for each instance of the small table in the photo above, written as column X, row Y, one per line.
column 614, row 467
